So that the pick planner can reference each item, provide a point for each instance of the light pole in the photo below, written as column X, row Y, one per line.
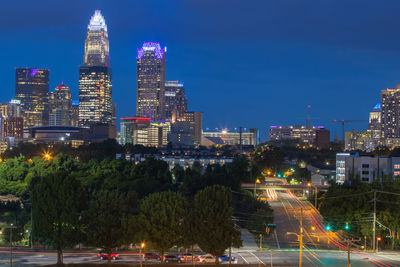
column 142, row 245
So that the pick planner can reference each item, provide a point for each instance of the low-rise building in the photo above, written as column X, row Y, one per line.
column 367, row 168
column 245, row 137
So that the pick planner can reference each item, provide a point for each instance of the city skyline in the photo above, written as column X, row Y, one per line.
column 212, row 70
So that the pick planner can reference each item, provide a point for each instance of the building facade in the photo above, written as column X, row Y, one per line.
column 129, row 127
column 175, row 100
column 232, row 138
column 316, row 136
column 95, row 87
column 365, row 168
column 60, row 106
column 12, row 127
column 390, row 113
column 32, row 88
column 75, row 113
column 150, row 96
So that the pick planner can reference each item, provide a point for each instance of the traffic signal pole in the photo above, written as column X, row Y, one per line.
column 374, row 225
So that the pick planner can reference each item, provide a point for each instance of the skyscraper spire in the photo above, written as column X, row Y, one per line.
column 95, row 87
column 96, row 44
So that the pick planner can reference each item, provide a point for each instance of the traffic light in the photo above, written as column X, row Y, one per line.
column 347, row 226
column 279, row 175
column 267, row 230
column 328, row 228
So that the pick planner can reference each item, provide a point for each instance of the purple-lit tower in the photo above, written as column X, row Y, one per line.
column 150, row 97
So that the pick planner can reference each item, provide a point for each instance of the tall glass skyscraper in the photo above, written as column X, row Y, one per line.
column 32, row 88
column 95, row 88
column 150, row 98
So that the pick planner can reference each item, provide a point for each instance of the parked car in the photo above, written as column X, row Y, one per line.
column 104, row 256
column 151, row 256
column 187, row 257
column 208, row 259
column 171, row 258
column 225, row 258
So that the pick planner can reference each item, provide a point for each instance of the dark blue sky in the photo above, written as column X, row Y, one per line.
column 250, row 63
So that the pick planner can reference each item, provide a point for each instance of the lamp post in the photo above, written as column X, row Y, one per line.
column 142, row 245
column 11, row 227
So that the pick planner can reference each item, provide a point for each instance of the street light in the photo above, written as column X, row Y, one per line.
column 142, row 245
column 47, row 156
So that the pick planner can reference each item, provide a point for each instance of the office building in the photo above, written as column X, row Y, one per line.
column 32, row 88
column 366, row 168
column 175, row 100
column 150, row 97
column 11, row 109
column 129, row 127
column 60, row 106
column 186, row 130
column 154, row 135
column 248, row 137
column 316, row 136
column 75, row 113
column 12, row 127
column 95, row 88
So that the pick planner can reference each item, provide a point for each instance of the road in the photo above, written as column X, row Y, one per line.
column 321, row 247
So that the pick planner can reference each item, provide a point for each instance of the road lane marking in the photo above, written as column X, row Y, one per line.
column 243, row 258
column 257, row 258
column 277, row 241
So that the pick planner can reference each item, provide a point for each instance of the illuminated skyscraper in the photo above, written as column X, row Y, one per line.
column 175, row 100
column 32, row 88
column 150, row 98
column 96, row 45
column 60, row 106
column 95, row 89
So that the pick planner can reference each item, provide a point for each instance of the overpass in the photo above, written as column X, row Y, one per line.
column 273, row 185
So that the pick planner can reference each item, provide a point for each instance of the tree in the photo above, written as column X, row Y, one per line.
column 215, row 228
column 161, row 217
column 105, row 219
column 189, row 233
column 57, row 202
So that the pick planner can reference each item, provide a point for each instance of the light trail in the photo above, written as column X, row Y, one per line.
column 337, row 243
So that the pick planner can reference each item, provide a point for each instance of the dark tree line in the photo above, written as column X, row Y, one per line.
column 108, row 203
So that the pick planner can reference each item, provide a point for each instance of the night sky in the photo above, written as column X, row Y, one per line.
column 249, row 63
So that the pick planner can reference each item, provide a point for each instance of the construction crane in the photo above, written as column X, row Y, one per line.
column 347, row 121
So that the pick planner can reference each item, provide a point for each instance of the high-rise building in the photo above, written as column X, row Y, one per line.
column 32, row 88
column 249, row 137
column 150, row 98
column 60, row 106
column 390, row 113
column 11, row 109
column 95, row 88
column 12, row 127
column 175, row 100
column 97, row 47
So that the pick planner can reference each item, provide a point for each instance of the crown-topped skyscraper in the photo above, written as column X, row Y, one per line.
column 96, row 45
column 95, row 89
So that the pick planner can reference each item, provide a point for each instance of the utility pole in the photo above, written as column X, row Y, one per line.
column 374, row 225
column 261, row 236
column 349, row 243
column 316, row 194
column 240, row 141
column 301, row 238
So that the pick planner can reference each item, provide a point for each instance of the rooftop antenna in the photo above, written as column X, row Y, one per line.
column 308, row 122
